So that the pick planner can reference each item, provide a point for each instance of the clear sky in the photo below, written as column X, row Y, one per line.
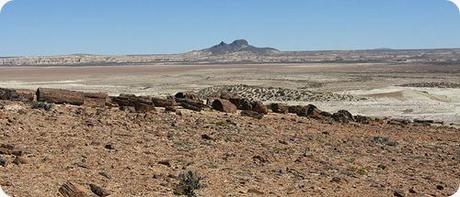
column 52, row 27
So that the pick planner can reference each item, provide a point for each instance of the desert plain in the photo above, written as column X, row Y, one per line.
column 380, row 89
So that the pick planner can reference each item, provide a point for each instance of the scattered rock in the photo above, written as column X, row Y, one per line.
column 224, row 106
column 255, row 191
column 252, row 114
column 3, row 162
column 206, row 137
column 165, row 163
column 109, row 146
column 105, row 174
column 70, row 189
column 8, row 149
column 336, row 180
column 398, row 194
column 384, row 141
column 99, row 191
column 20, row 160
column 170, row 109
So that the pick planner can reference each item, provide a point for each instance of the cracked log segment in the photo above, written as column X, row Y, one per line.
column 96, row 99
column 195, row 105
column 141, row 104
column 17, row 95
column 59, row 96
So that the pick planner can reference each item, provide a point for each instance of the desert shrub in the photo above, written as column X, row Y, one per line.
column 188, row 183
column 42, row 106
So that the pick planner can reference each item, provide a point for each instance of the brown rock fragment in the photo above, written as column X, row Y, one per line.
column 99, row 191
column 70, row 189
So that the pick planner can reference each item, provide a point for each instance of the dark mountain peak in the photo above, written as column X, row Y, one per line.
column 238, row 46
column 240, row 42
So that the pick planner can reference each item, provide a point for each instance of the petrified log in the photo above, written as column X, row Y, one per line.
column 194, row 105
column 310, row 111
column 259, row 107
column 241, row 103
column 224, row 106
column 8, row 94
column 159, row 102
column 295, row 109
column 141, row 104
column 187, row 95
column 59, row 96
column 95, row 99
column 70, row 189
column 279, row 108
column 343, row 116
column 25, row 95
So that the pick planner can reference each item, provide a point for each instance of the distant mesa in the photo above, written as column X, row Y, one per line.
column 239, row 46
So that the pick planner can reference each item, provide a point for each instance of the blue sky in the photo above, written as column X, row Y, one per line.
column 52, row 27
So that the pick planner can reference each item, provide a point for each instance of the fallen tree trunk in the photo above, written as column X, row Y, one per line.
column 95, row 99
column 159, row 102
column 191, row 104
column 8, row 94
column 59, row 96
column 141, row 104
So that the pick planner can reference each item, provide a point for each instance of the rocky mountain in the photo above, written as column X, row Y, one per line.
column 239, row 46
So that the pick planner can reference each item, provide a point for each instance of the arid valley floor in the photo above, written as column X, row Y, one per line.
column 395, row 90
column 402, row 137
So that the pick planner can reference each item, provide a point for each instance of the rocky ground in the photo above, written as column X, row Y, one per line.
column 109, row 151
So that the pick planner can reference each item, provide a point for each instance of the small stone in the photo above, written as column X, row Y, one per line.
column 99, row 191
column 440, row 187
column 165, row 163
column 3, row 162
column 20, row 160
column 412, row 191
column 206, row 137
column 109, row 146
column 381, row 166
column 105, row 174
column 336, row 180
column 398, row 194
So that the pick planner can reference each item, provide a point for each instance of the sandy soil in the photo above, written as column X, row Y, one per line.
column 281, row 155
column 377, row 81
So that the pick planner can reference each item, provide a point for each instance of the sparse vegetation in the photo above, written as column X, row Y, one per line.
column 188, row 183
column 42, row 106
